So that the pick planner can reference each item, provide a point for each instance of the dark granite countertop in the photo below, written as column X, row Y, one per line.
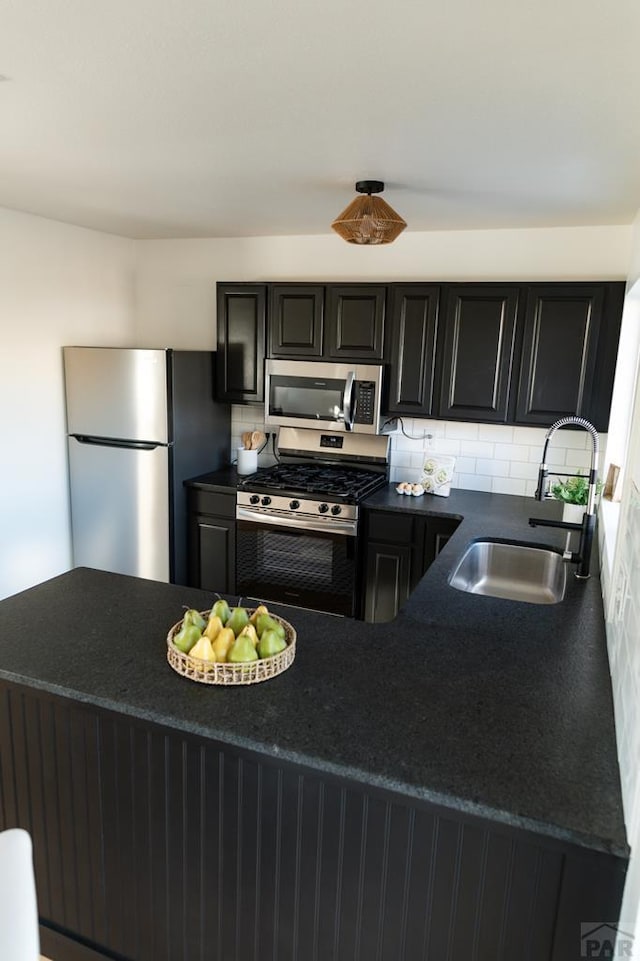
column 221, row 481
column 482, row 705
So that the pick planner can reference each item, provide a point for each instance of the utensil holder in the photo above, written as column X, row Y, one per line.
column 247, row 461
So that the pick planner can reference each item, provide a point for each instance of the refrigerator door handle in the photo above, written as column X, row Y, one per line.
column 110, row 442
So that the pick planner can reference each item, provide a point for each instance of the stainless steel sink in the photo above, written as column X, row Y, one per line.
column 515, row 572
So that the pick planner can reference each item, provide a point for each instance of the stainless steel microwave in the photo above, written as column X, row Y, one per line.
column 323, row 396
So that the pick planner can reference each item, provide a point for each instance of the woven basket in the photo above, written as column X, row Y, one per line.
column 214, row 672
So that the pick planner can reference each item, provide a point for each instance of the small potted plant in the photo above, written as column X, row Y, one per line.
column 574, row 494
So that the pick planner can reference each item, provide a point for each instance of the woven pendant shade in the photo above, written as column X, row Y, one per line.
column 369, row 219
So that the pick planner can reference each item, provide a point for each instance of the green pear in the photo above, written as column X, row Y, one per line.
column 271, row 643
column 187, row 637
column 242, row 650
column 194, row 617
column 237, row 620
column 266, row 623
column 221, row 609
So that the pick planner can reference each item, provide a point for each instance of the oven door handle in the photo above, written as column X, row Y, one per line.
column 349, row 411
column 333, row 525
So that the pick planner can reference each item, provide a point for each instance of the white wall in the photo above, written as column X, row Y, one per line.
column 175, row 287
column 622, row 599
column 58, row 285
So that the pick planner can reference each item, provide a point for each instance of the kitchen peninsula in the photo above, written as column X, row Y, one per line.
column 445, row 785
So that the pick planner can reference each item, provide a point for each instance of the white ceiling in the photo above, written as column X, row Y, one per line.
column 193, row 118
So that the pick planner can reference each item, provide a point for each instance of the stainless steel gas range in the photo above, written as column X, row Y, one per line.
column 298, row 522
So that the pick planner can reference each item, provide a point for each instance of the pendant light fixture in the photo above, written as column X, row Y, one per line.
column 369, row 219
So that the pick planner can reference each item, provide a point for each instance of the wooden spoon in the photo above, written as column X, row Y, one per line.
column 257, row 438
column 246, row 439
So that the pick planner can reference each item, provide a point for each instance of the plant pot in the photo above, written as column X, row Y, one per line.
column 573, row 513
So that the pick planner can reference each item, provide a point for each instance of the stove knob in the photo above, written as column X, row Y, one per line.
column 336, row 509
column 254, row 499
column 266, row 501
column 294, row 505
column 323, row 508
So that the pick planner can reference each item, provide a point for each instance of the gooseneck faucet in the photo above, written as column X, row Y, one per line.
column 583, row 555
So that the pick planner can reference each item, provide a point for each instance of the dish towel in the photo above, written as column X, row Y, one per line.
column 437, row 473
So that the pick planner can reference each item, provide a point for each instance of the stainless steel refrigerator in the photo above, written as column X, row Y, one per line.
column 139, row 423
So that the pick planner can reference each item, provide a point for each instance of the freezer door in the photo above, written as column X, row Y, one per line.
column 120, row 509
column 117, row 392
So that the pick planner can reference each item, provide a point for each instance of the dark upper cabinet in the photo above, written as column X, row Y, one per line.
column 354, row 322
column 411, row 348
column 477, row 351
column 295, row 320
column 567, row 348
column 242, row 313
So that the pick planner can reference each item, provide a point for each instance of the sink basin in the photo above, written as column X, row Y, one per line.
column 515, row 572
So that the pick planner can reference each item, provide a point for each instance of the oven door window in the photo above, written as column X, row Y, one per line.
column 308, row 569
column 308, row 397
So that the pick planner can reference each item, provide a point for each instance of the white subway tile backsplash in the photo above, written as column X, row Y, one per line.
column 477, row 448
column 523, row 470
column 489, row 457
column 511, row 452
column 508, row 485
column 408, row 443
column 466, row 465
column 493, row 468
column 446, row 446
column 531, row 436
column 474, row 482
column 499, row 433
column 578, row 459
column 461, row 430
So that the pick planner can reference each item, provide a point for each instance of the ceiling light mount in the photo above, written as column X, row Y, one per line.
column 370, row 187
column 369, row 219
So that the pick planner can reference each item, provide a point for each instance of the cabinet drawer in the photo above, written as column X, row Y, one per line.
column 390, row 527
column 212, row 502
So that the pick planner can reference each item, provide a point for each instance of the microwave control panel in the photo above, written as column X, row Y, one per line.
column 365, row 401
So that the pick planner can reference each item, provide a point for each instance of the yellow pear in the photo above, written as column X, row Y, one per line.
column 203, row 650
column 251, row 632
column 222, row 643
column 213, row 628
column 256, row 614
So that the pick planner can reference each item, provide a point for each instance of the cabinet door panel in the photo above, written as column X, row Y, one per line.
column 479, row 337
column 559, row 352
column 355, row 322
column 412, row 348
column 388, row 580
column 241, row 330
column 212, row 553
column 295, row 321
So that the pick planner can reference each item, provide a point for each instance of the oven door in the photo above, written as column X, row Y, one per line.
column 294, row 565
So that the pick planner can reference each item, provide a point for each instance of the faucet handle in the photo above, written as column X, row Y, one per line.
column 542, row 483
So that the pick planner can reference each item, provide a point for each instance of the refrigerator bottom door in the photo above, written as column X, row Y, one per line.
column 120, row 509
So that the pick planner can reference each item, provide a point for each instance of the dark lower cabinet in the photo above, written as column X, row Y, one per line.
column 388, row 580
column 151, row 844
column 398, row 550
column 212, row 541
column 241, row 320
column 477, row 349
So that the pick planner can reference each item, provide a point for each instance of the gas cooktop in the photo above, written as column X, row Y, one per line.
column 325, row 480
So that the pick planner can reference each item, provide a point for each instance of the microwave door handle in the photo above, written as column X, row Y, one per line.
column 349, row 411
